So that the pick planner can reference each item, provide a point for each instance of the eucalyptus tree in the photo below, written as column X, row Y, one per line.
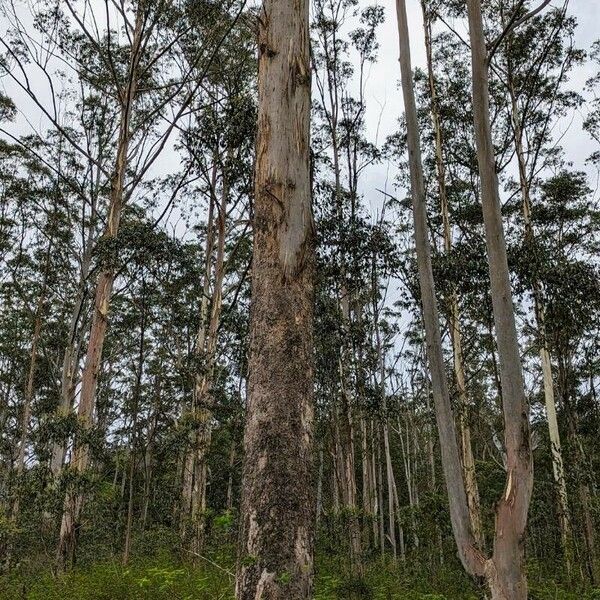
column 462, row 524
column 505, row 572
column 565, row 209
column 218, row 141
column 534, row 64
column 35, row 279
column 592, row 120
column 275, row 556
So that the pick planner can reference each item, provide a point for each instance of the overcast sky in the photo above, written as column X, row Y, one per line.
column 384, row 100
column 383, row 90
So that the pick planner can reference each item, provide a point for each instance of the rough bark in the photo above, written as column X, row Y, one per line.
column 505, row 572
column 275, row 559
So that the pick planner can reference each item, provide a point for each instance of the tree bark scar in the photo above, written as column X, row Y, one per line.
column 264, row 45
column 268, row 190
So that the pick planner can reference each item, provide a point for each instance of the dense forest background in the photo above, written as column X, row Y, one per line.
column 127, row 209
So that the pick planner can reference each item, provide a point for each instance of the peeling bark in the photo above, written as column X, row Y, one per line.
column 275, row 557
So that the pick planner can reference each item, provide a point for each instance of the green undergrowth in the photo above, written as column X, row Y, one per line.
column 163, row 578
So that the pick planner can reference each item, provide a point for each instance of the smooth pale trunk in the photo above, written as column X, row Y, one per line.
column 190, row 470
column 451, row 463
column 391, row 485
column 374, row 488
column 134, row 439
column 346, row 448
column 71, row 361
column 468, row 460
column 203, row 400
column 505, row 572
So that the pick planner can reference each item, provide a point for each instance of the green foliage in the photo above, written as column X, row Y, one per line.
column 159, row 577
column 161, row 580
column 224, row 522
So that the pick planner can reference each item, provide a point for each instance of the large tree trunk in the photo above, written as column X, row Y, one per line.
column 506, row 570
column 74, row 499
column 275, row 559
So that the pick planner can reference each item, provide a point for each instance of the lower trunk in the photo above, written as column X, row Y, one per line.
column 200, row 481
column 70, row 364
column 69, row 528
column 380, row 521
column 319, row 501
column 391, row 487
column 129, row 521
column 505, row 578
column 349, row 491
column 28, row 398
column 376, row 506
column 468, row 460
column 589, row 532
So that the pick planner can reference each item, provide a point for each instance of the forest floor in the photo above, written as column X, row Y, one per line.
column 162, row 578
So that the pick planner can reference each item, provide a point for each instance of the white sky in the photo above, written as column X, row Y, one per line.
column 383, row 89
column 384, row 100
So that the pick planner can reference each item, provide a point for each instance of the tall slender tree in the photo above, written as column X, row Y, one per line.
column 506, row 571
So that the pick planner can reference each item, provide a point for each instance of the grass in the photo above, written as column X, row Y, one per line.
column 162, row 578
